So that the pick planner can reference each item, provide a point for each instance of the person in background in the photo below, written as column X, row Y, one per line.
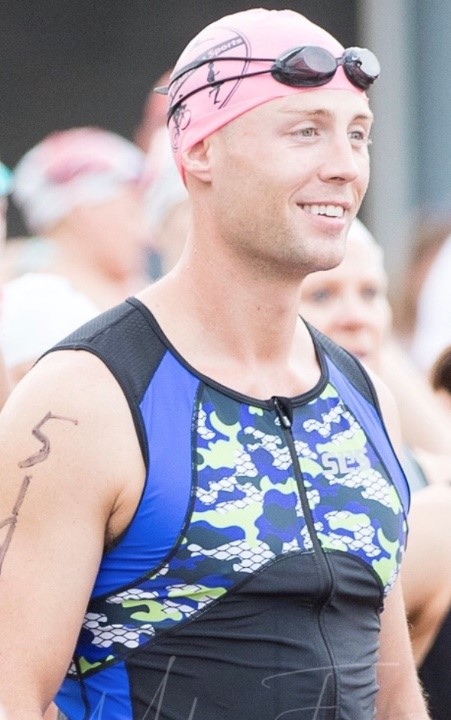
column 6, row 382
column 5, row 187
column 436, row 669
column 427, row 581
column 441, row 377
column 213, row 515
column 81, row 189
column 81, row 195
column 153, row 116
column 165, row 198
column 422, row 303
column 167, row 204
column 350, row 304
column 38, row 310
column 8, row 376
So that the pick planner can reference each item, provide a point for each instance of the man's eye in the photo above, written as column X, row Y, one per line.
column 306, row 132
column 360, row 137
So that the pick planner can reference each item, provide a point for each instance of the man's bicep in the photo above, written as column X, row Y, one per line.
column 399, row 690
column 52, row 526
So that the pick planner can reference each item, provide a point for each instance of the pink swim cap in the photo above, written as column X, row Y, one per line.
column 78, row 166
column 256, row 33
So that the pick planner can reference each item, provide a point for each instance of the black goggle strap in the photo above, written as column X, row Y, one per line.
column 177, row 103
column 206, row 61
column 286, row 69
column 351, row 56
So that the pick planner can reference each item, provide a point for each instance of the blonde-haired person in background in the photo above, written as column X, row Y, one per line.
column 349, row 303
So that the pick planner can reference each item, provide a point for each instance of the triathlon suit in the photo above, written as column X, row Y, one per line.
column 250, row 581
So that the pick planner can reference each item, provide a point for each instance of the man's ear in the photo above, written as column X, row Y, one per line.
column 196, row 160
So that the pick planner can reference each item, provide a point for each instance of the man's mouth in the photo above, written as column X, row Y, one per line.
column 333, row 211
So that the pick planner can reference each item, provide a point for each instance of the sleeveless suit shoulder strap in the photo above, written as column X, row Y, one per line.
column 124, row 339
column 349, row 365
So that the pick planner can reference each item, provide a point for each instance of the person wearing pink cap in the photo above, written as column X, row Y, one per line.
column 204, row 513
column 80, row 191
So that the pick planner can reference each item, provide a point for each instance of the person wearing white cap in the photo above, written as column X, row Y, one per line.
column 349, row 303
column 210, row 513
column 81, row 191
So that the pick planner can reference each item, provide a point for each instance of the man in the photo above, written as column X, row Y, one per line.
column 199, row 486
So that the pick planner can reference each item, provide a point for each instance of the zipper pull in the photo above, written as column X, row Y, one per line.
column 284, row 411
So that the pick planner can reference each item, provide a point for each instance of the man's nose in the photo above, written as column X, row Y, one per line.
column 341, row 164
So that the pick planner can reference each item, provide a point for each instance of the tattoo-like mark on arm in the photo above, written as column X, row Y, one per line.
column 45, row 449
column 12, row 520
column 29, row 462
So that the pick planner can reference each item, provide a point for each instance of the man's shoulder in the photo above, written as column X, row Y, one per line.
column 118, row 322
column 125, row 340
column 347, row 364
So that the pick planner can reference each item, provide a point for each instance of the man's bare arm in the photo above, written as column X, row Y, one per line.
column 400, row 696
column 63, row 442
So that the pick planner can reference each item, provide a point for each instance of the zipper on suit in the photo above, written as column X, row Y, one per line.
column 283, row 410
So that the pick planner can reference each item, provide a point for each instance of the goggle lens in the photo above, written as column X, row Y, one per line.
column 315, row 66
column 361, row 65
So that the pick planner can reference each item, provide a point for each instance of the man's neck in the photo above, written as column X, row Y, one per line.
column 241, row 331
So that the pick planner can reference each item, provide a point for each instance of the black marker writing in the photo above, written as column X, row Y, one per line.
column 98, row 710
column 266, row 682
column 316, row 708
column 38, row 457
column 45, row 450
column 160, row 693
column 12, row 520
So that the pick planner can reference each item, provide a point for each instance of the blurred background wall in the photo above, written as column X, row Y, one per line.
column 78, row 62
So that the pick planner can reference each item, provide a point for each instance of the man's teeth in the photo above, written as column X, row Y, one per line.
column 328, row 210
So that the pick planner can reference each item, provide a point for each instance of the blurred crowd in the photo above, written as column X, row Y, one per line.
column 106, row 215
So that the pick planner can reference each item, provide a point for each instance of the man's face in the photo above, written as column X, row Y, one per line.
column 349, row 303
column 289, row 176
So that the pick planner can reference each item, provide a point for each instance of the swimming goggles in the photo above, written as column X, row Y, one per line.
column 307, row 66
